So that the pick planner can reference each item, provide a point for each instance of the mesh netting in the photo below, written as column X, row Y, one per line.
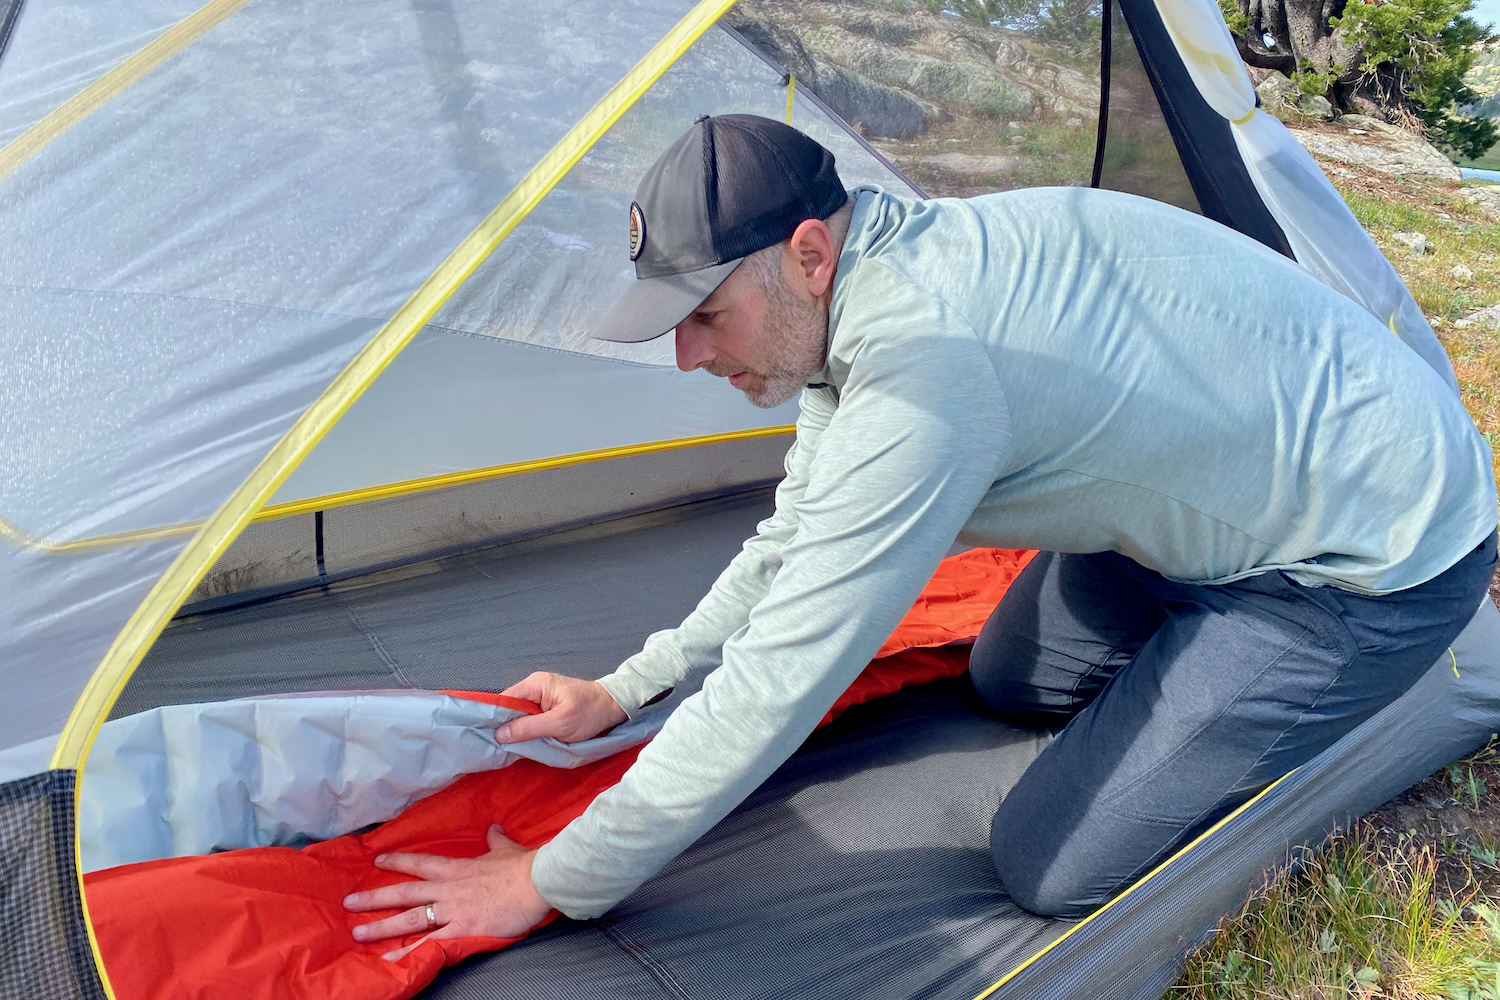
column 1139, row 154
column 44, row 946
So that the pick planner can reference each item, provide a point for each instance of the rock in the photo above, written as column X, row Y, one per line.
column 1008, row 53
column 1074, row 122
column 863, row 59
column 1486, row 199
column 1381, row 147
column 1279, row 94
column 1415, row 242
column 965, row 75
column 1485, row 317
column 884, row 111
column 1316, row 106
column 1275, row 89
column 1462, row 273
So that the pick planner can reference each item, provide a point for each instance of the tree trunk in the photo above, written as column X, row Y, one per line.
column 1303, row 38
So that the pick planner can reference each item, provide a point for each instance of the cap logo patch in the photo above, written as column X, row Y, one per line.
column 637, row 230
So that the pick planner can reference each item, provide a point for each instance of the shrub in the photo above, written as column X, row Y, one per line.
column 1421, row 49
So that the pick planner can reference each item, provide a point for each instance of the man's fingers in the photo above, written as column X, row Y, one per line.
column 530, row 727
column 532, row 688
column 498, row 841
column 421, row 865
column 402, row 894
column 400, row 953
column 412, row 921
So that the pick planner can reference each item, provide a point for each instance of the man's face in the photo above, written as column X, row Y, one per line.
column 765, row 340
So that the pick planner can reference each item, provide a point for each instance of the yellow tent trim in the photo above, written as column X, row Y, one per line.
column 205, row 548
column 1013, row 973
column 335, row 500
column 22, row 538
column 407, row 487
column 88, row 100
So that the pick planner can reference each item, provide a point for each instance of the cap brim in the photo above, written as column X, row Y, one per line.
column 653, row 306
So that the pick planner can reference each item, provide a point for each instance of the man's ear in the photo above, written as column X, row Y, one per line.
column 811, row 258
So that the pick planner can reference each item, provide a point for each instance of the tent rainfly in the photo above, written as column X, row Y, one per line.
column 298, row 398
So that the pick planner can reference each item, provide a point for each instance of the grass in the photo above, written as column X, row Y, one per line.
column 1406, row 904
column 1459, row 234
column 1363, row 918
column 1402, row 906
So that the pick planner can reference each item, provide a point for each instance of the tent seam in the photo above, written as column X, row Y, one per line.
column 655, row 969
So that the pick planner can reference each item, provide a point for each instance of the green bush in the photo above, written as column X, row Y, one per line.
column 1422, row 49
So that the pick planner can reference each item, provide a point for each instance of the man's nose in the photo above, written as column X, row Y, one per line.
column 692, row 347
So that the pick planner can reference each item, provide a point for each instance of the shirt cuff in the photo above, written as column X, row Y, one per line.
column 631, row 691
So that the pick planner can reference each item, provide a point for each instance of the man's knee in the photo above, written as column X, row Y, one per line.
column 1040, row 874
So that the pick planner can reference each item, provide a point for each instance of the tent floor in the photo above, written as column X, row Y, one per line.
column 861, row 868
column 577, row 602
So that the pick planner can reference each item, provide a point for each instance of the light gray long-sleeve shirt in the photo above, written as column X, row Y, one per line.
column 1062, row 369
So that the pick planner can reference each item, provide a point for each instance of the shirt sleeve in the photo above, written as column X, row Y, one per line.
column 907, row 454
column 696, row 646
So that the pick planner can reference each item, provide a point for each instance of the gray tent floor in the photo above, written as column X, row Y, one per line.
column 577, row 603
column 861, row 868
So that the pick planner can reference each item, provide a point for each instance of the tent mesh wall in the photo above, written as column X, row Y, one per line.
column 47, row 954
column 287, row 554
column 1139, row 155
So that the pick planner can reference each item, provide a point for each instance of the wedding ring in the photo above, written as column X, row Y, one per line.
column 431, row 917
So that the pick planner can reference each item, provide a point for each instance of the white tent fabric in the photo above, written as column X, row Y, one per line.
column 179, row 311
column 1318, row 225
column 59, row 48
column 452, row 403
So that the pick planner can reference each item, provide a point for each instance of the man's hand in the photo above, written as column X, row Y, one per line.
column 572, row 710
column 487, row 896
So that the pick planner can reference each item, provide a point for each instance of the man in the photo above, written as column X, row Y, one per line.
column 1261, row 516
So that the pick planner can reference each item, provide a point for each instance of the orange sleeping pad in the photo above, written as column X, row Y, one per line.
column 268, row 923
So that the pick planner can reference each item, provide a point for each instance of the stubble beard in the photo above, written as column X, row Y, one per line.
column 796, row 344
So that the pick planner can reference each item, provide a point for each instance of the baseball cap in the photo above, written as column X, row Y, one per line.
column 731, row 185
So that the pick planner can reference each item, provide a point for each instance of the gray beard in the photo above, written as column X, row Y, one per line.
column 796, row 348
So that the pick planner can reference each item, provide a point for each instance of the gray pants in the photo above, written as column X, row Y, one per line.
column 1178, row 702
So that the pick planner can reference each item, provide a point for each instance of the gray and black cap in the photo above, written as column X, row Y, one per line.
column 731, row 185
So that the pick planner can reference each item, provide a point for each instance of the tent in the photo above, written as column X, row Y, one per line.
column 297, row 397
